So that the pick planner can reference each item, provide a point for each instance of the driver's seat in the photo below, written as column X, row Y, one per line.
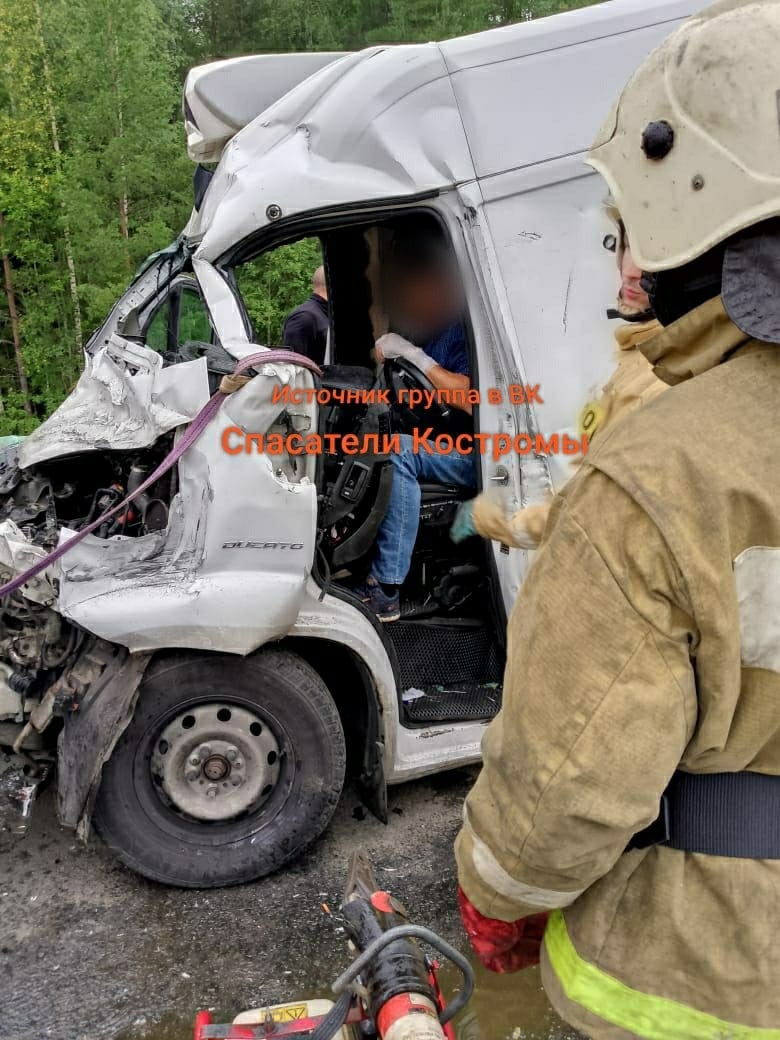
column 438, row 502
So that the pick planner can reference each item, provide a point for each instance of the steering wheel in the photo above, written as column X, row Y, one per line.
column 400, row 374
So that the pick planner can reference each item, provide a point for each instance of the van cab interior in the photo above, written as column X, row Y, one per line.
column 447, row 647
column 445, row 641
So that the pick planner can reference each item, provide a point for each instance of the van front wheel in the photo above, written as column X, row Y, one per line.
column 229, row 768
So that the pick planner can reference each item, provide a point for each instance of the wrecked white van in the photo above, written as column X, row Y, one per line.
column 197, row 666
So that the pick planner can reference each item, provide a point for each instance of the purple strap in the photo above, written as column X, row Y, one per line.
column 191, row 434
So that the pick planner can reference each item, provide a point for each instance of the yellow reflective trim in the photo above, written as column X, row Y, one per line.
column 646, row 1015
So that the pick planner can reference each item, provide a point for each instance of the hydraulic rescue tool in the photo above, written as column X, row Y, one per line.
column 390, row 991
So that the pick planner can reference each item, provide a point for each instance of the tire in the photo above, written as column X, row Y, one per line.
column 152, row 801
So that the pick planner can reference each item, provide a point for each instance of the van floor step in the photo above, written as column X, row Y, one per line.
column 467, row 702
column 445, row 652
column 450, row 669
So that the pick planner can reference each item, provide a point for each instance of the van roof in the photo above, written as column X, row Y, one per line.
column 322, row 130
column 222, row 97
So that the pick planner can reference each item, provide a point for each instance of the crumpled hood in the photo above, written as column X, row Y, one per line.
column 124, row 399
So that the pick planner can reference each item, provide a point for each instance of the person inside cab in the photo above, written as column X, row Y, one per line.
column 426, row 303
column 306, row 328
column 632, row 384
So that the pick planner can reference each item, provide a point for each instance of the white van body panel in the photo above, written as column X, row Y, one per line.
column 395, row 121
column 407, row 753
column 495, row 125
column 538, row 90
column 559, row 283
column 406, row 122
column 381, row 124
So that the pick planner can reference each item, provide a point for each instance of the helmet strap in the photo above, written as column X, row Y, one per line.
column 636, row 316
column 675, row 292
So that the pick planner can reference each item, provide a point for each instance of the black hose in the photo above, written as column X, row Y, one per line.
column 335, row 1018
column 414, row 931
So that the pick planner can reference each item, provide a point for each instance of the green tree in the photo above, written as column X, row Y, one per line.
column 93, row 170
column 419, row 21
column 127, row 174
column 273, row 284
column 37, row 320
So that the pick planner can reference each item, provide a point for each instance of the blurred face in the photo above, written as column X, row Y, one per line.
column 426, row 302
column 631, row 293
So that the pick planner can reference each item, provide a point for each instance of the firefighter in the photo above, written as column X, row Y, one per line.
column 632, row 384
column 644, row 650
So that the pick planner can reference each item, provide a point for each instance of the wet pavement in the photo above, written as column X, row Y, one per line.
column 90, row 951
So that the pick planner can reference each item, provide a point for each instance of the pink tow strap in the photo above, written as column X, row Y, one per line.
column 193, row 431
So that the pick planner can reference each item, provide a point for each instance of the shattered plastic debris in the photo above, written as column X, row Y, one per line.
column 412, row 694
column 17, row 794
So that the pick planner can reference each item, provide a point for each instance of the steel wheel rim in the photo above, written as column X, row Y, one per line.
column 215, row 762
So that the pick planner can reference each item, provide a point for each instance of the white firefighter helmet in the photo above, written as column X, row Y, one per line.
column 691, row 150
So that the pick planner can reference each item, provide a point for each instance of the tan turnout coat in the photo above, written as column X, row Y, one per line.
column 646, row 638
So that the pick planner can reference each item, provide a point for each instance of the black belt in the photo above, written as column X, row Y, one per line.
column 719, row 814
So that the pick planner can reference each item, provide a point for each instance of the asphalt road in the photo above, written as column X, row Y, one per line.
column 90, row 951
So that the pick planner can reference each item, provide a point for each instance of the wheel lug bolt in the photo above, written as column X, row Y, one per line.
column 204, row 751
column 235, row 781
column 194, row 760
column 231, row 754
column 211, row 792
column 192, row 776
column 238, row 764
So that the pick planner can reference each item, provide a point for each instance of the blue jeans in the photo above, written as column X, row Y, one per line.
column 398, row 531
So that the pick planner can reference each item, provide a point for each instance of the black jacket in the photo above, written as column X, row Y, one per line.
column 306, row 328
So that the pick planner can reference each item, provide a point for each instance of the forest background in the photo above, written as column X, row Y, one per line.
column 94, row 174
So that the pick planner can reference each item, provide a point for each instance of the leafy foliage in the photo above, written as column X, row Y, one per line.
column 93, row 170
column 276, row 282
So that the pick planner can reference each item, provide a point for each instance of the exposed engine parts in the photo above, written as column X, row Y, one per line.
column 33, row 638
column 73, row 491
column 37, row 645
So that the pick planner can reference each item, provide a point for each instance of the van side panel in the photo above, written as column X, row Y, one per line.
column 559, row 282
column 536, row 107
column 544, row 207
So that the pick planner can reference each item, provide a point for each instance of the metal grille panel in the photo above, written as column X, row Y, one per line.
column 468, row 702
column 436, row 652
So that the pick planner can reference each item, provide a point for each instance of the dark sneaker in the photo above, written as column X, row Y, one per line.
column 386, row 608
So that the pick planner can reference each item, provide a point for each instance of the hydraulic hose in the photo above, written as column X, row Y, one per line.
column 414, row 931
column 335, row 1018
